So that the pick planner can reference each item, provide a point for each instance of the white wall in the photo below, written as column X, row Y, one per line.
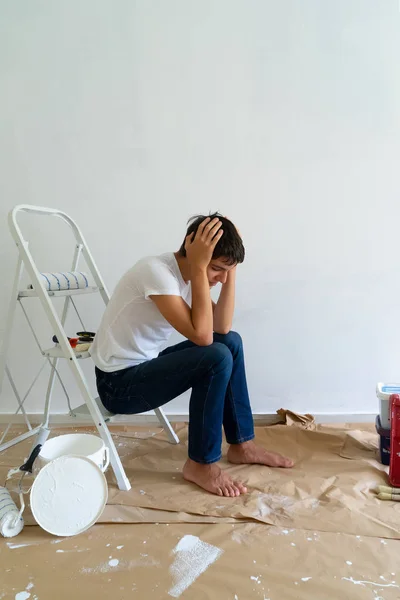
column 131, row 116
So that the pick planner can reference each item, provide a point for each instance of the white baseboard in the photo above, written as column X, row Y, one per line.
column 259, row 418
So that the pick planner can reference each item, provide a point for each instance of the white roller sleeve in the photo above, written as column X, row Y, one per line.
column 69, row 280
column 10, row 522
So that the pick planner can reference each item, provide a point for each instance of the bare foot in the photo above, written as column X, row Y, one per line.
column 250, row 453
column 212, row 479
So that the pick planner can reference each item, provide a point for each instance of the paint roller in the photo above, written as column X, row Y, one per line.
column 11, row 520
column 67, row 280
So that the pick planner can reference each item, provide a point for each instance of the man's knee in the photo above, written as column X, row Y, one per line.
column 232, row 340
column 219, row 354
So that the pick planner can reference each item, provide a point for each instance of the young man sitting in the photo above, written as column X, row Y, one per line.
column 172, row 291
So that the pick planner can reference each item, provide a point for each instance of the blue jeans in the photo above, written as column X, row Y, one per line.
column 216, row 374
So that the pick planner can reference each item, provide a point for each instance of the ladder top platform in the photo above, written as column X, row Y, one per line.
column 33, row 294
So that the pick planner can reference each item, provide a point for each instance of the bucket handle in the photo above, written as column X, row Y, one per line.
column 107, row 455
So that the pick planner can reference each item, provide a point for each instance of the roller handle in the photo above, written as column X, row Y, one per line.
column 27, row 467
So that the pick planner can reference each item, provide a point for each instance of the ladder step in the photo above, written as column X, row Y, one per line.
column 59, row 293
column 83, row 410
column 57, row 352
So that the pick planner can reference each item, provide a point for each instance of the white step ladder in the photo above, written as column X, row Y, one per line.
column 63, row 349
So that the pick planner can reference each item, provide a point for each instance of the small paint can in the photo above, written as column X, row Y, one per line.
column 78, row 444
column 11, row 521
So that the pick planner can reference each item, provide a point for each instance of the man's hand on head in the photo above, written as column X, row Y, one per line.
column 200, row 247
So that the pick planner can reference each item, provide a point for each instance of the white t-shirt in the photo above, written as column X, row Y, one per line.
column 132, row 329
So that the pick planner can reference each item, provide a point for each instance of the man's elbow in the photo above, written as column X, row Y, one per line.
column 222, row 330
column 203, row 340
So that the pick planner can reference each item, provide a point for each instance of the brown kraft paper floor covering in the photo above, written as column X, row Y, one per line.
column 316, row 550
column 332, row 483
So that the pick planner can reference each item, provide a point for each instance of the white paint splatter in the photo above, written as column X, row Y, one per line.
column 113, row 562
column 306, row 578
column 364, row 583
column 239, row 536
column 13, row 546
column 143, row 562
column 292, row 544
column 192, row 558
column 103, row 568
column 285, row 531
column 107, row 545
column 270, row 503
column 348, row 562
column 188, row 542
column 12, row 472
column 142, row 492
column 74, row 550
column 24, row 595
column 119, row 547
column 257, row 579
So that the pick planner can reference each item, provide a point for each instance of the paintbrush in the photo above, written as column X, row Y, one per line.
column 384, row 489
column 394, row 497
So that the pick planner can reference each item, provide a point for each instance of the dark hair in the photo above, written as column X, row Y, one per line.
column 229, row 247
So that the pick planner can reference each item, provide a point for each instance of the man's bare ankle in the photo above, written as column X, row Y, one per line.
column 241, row 445
column 192, row 464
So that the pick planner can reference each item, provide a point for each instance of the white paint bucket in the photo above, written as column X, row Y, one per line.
column 79, row 444
column 68, row 495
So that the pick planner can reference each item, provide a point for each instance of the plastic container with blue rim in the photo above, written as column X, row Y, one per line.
column 383, row 392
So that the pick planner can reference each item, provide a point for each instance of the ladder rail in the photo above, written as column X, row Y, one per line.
column 54, row 362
